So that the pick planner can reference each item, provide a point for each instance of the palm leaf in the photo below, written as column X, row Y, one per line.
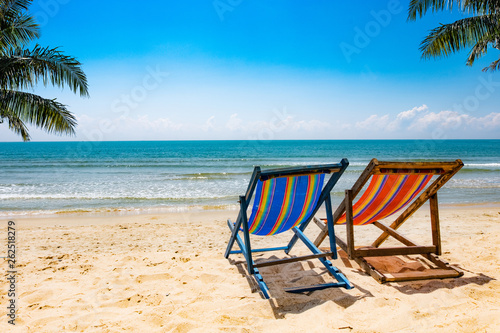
column 12, row 7
column 23, row 69
column 494, row 66
column 482, row 7
column 419, row 8
column 15, row 124
column 478, row 31
column 47, row 114
column 481, row 47
column 16, row 27
column 449, row 38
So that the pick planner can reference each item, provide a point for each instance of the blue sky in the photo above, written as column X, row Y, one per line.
column 255, row 69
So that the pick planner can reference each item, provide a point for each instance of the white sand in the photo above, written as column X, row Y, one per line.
column 167, row 273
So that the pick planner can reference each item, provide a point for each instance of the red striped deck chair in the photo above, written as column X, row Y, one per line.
column 287, row 199
column 395, row 187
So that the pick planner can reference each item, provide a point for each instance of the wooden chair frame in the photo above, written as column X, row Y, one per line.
column 445, row 170
column 242, row 223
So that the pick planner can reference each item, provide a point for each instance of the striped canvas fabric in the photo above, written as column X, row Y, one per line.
column 386, row 195
column 283, row 203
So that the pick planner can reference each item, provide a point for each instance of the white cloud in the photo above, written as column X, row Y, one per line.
column 385, row 123
column 420, row 120
column 234, row 123
column 443, row 119
column 209, row 124
column 488, row 122
column 410, row 114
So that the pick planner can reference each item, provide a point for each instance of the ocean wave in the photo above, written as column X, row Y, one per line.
column 487, row 165
column 475, row 186
column 481, row 167
column 279, row 165
column 55, row 196
column 116, row 210
column 211, row 175
column 479, row 170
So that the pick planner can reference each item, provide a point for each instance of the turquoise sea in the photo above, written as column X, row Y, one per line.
column 50, row 177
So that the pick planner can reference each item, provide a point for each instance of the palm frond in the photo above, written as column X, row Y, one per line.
column 482, row 7
column 47, row 114
column 449, row 38
column 494, row 66
column 17, row 28
column 12, row 7
column 23, row 69
column 481, row 47
column 420, row 7
column 16, row 125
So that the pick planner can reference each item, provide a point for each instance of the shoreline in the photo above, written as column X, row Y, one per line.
column 106, row 212
column 116, row 212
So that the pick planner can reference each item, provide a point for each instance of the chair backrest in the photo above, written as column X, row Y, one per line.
column 283, row 203
column 286, row 198
column 394, row 185
column 385, row 196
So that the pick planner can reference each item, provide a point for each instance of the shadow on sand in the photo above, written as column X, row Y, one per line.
column 284, row 303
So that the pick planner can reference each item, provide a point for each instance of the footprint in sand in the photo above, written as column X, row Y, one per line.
column 153, row 277
column 126, row 302
column 36, row 296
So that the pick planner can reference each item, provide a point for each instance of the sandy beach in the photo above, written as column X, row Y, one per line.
column 167, row 273
column 130, row 133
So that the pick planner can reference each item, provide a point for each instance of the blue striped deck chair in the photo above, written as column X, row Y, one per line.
column 395, row 187
column 287, row 199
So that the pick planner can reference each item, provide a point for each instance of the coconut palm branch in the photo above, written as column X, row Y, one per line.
column 15, row 124
column 23, row 69
column 477, row 32
column 20, row 108
column 16, row 27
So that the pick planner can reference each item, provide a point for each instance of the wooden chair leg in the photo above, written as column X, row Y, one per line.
column 436, row 231
column 349, row 224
